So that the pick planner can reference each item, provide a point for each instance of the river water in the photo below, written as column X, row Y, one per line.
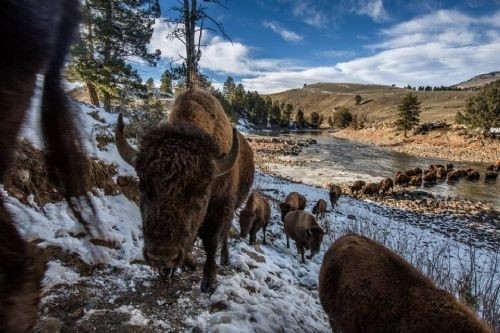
column 343, row 161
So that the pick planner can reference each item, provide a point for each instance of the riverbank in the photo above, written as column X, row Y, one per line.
column 451, row 144
column 272, row 154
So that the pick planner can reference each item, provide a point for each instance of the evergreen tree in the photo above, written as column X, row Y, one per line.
column 315, row 119
column 150, row 85
column 342, row 118
column 300, row 120
column 408, row 113
column 275, row 114
column 228, row 88
column 286, row 115
column 114, row 31
column 358, row 99
column 483, row 109
column 166, row 82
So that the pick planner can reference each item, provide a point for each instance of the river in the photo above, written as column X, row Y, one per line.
column 343, row 161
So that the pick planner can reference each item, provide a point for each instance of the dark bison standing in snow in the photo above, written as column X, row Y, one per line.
column 36, row 36
column 305, row 231
column 255, row 216
column 319, row 209
column 334, row 192
column 356, row 187
column 366, row 288
column 193, row 173
column 293, row 201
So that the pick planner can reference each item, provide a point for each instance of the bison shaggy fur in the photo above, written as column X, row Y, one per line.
column 366, row 288
column 193, row 173
column 386, row 184
column 255, row 216
column 334, row 192
column 357, row 186
column 370, row 189
column 293, row 201
column 305, row 231
column 319, row 209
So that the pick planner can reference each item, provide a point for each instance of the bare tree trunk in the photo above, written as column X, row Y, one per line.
column 190, row 15
column 107, row 55
column 94, row 98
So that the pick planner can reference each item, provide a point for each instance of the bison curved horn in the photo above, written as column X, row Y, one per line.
column 124, row 149
column 224, row 164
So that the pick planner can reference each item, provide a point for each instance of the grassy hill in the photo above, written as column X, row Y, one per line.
column 479, row 81
column 380, row 102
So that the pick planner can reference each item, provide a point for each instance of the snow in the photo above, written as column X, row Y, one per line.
column 268, row 289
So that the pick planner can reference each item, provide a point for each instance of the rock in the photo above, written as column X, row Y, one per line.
column 254, row 256
column 49, row 325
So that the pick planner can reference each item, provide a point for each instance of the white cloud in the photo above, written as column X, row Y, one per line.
column 306, row 10
column 287, row 35
column 372, row 8
column 337, row 53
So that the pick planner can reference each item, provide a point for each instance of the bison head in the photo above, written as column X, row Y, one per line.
column 314, row 237
column 177, row 166
column 247, row 219
column 284, row 208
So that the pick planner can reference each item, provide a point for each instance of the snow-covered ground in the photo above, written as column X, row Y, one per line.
column 266, row 288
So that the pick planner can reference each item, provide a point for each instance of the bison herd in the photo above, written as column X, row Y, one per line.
column 194, row 172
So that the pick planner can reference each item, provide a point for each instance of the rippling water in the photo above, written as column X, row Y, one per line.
column 340, row 160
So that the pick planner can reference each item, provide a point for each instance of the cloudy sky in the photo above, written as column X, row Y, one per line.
column 282, row 44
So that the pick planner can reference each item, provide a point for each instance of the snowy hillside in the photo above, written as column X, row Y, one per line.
column 266, row 288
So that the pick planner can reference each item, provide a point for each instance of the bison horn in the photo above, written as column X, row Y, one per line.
column 224, row 164
column 124, row 149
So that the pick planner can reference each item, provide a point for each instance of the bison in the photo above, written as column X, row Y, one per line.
column 36, row 36
column 334, row 192
column 430, row 177
column 415, row 181
column 366, row 288
column 490, row 175
column 356, row 187
column 319, row 209
column 454, row 175
column 472, row 175
column 370, row 189
column 401, row 178
column 293, row 201
column 194, row 171
column 255, row 216
column 386, row 184
column 305, row 231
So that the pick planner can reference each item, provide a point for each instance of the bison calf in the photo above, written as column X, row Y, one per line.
column 305, row 231
column 255, row 216
column 366, row 288
column 319, row 209
column 293, row 201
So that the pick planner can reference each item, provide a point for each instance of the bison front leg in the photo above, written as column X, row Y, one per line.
column 224, row 253
column 209, row 269
column 264, row 242
column 227, row 221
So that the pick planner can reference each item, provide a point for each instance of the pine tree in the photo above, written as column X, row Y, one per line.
column 358, row 99
column 286, row 115
column 300, row 121
column 114, row 31
column 408, row 113
column 228, row 88
column 315, row 119
column 166, row 82
column 483, row 109
column 275, row 114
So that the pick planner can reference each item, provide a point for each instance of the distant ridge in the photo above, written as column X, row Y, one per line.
column 479, row 81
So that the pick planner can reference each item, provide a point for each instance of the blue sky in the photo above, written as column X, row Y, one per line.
column 282, row 44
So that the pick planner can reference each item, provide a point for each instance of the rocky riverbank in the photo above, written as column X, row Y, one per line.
column 451, row 143
column 475, row 214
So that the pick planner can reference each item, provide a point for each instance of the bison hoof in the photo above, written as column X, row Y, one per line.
column 207, row 286
column 190, row 263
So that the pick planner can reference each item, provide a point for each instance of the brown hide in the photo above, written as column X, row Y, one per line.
column 386, row 184
column 472, row 175
column 181, row 196
column 401, row 178
column 490, row 175
column 319, row 209
column 36, row 36
column 305, row 231
column 370, row 189
column 357, row 186
column 255, row 216
column 293, row 201
column 366, row 288
column 334, row 192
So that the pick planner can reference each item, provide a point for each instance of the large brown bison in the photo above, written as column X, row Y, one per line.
column 319, row 209
column 366, row 288
column 356, row 187
column 255, row 216
column 193, row 173
column 401, row 178
column 293, row 201
column 334, row 192
column 36, row 36
column 371, row 189
column 305, row 231
column 386, row 184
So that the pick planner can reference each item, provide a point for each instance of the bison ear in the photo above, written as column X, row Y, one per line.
column 224, row 164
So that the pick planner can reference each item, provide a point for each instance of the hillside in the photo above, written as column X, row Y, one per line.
column 379, row 102
column 479, row 81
